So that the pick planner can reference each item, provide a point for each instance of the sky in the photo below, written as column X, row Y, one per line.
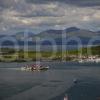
column 39, row 15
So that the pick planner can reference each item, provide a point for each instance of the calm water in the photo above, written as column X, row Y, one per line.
column 53, row 84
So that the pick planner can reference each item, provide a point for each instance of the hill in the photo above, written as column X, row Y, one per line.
column 46, row 36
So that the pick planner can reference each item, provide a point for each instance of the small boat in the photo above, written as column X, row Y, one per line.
column 34, row 67
column 65, row 97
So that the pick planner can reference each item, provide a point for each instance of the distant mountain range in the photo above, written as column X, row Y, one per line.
column 55, row 35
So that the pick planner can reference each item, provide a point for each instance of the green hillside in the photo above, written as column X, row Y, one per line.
column 13, row 55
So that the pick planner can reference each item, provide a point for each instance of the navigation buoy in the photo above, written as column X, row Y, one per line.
column 75, row 81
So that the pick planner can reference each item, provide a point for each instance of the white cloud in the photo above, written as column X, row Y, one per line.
column 86, row 18
column 52, row 15
column 97, row 15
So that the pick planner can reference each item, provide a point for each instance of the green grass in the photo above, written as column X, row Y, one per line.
column 13, row 55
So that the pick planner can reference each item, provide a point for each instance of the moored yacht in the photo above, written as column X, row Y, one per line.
column 89, row 60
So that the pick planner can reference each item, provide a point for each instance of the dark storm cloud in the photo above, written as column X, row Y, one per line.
column 7, row 3
column 71, row 2
column 42, row 14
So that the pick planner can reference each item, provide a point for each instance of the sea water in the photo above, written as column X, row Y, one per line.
column 52, row 84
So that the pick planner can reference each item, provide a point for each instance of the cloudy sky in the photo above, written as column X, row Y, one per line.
column 39, row 15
